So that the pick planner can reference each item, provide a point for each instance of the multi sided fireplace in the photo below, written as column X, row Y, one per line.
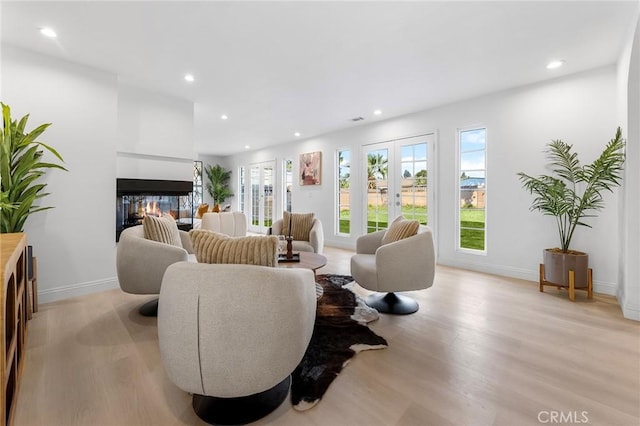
column 137, row 198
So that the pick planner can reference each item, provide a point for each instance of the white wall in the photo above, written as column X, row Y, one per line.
column 155, row 135
column 74, row 242
column 212, row 160
column 579, row 109
column 629, row 78
column 104, row 130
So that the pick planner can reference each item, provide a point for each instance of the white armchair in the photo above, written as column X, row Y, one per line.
column 232, row 335
column 140, row 263
column 404, row 265
column 315, row 242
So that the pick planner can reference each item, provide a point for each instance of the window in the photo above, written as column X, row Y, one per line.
column 241, row 187
column 472, row 190
column 378, row 186
column 288, row 184
column 344, row 203
column 413, row 182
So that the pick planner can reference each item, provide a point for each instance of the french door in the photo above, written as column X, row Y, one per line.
column 261, row 196
column 399, row 181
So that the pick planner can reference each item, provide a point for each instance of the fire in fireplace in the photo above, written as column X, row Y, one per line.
column 137, row 198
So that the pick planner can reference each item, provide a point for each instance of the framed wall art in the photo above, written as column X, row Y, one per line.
column 310, row 168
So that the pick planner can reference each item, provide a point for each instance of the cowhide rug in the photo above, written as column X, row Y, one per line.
column 340, row 332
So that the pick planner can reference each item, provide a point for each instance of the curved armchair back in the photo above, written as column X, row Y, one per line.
column 219, row 325
column 233, row 224
column 407, row 264
column 403, row 265
column 140, row 263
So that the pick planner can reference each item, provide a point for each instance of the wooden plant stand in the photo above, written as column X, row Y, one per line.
column 572, row 279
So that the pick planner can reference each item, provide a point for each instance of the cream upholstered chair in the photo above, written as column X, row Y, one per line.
column 233, row 224
column 312, row 242
column 404, row 265
column 140, row 263
column 232, row 335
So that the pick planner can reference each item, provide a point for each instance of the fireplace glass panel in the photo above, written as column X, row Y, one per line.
column 131, row 208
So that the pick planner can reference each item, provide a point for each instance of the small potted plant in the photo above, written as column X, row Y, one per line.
column 573, row 193
column 218, row 185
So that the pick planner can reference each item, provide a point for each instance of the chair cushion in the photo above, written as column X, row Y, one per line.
column 162, row 229
column 202, row 209
column 213, row 247
column 301, row 224
column 400, row 228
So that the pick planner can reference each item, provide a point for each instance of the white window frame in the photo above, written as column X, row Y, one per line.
column 459, row 171
column 337, row 193
column 284, row 184
column 242, row 188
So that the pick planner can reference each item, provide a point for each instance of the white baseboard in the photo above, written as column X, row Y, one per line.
column 347, row 245
column 631, row 311
column 66, row 292
column 630, row 308
column 601, row 287
column 506, row 271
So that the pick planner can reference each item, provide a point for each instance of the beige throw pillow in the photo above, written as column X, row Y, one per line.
column 400, row 228
column 213, row 247
column 301, row 224
column 162, row 229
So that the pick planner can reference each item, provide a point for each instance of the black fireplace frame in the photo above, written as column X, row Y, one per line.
column 152, row 187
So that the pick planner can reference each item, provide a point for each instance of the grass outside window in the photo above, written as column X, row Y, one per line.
column 472, row 228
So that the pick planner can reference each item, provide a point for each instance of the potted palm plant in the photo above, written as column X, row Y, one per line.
column 218, row 185
column 21, row 166
column 573, row 193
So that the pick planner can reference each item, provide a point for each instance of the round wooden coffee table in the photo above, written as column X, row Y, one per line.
column 308, row 260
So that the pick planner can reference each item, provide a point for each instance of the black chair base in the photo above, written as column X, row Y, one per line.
column 149, row 309
column 391, row 303
column 241, row 410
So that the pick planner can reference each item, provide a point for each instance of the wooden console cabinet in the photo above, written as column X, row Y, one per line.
column 13, row 260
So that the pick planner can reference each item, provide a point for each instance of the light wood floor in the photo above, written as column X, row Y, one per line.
column 482, row 350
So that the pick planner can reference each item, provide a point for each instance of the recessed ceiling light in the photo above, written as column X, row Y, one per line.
column 377, row 112
column 247, row 147
column 48, row 32
column 224, row 116
column 296, row 134
column 189, row 78
column 555, row 64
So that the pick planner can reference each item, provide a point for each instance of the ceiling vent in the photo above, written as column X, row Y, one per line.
column 357, row 119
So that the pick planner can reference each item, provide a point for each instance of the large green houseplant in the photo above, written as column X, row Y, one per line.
column 572, row 194
column 21, row 166
column 218, row 183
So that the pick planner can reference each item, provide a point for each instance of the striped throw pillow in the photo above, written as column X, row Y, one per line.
column 213, row 247
column 400, row 228
column 162, row 229
column 301, row 224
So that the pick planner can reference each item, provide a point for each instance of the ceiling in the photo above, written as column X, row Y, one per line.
column 276, row 68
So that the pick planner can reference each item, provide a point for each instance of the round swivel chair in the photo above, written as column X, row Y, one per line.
column 232, row 335
column 404, row 265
